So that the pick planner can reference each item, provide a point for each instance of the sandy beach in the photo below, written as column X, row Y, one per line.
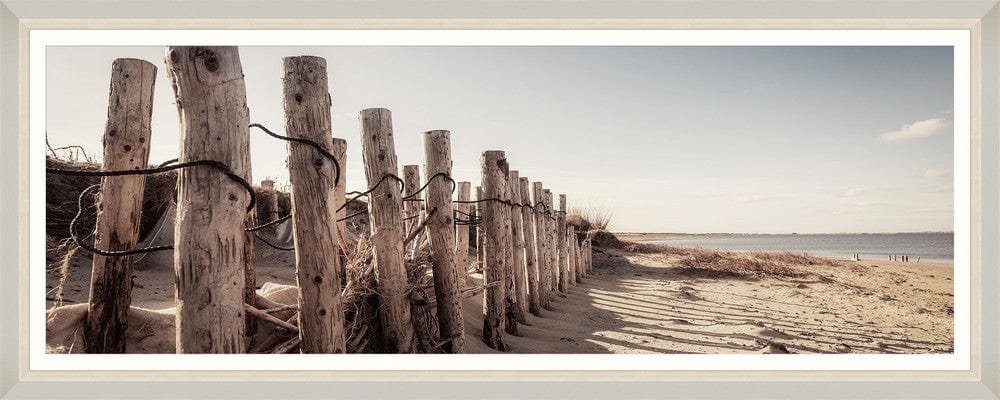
column 649, row 303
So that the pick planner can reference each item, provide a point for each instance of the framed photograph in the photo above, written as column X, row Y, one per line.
column 676, row 199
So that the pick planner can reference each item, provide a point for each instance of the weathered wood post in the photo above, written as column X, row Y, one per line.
column 551, row 224
column 209, row 241
column 479, row 229
column 530, row 242
column 552, row 246
column 563, row 253
column 571, row 251
column 589, row 254
column 494, row 238
column 578, row 258
column 510, row 294
column 412, row 207
column 126, row 146
column 339, row 150
column 542, row 244
column 517, row 237
column 441, row 231
column 270, row 197
column 314, row 206
column 462, row 234
column 385, row 207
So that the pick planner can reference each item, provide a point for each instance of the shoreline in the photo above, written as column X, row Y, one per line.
column 667, row 238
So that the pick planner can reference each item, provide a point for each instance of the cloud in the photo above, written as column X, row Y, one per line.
column 751, row 198
column 853, row 192
column 916, row 130
column 932, row 173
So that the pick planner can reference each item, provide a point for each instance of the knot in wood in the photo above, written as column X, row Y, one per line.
column 209, row 59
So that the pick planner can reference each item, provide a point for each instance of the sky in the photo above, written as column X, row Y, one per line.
column 667, row 139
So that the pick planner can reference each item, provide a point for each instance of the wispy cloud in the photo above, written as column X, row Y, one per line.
column 853, row 192
column 932, row 173
column 750, row 198
column 916, row 130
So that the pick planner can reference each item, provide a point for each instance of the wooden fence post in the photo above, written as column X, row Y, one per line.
column 517, row 237
column 571, row 249
column 462, row 234
column 542, row 244
column 209, row 240
column 385, row 207
column 577, row 247
column 510, row 294
column 480, row 251
column 563, row 254
column 126, row 146
column 339, row 150
column 495, row 243
column 550, row 228
column 270, row 196
column 412, row 208
column 530, row 243
column 441, row 231
column 314, row 215
column 589, row 255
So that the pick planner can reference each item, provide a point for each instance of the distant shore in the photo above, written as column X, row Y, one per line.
column 933, row 247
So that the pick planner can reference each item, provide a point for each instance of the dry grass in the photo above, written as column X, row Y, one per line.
column 717, row 264
column 589, row 218
column 361, row 303
column 746, row 264
column 62, row 193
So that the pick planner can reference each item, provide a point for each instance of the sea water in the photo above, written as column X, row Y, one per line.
column 929, row 246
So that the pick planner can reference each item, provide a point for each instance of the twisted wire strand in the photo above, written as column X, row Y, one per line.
column 94, row 249
column 169, row 165
column 310, row 143
column 429, row 180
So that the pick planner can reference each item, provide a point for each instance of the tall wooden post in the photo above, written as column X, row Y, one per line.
column 590, row 255
column 517, row 236
column 530, row 243
column 270, row 197
column 571, row 250
column 551, row 225
column 510, row 294
column 480, row 252
column 385, row 208
column 411, row 208
column 577, row 258
column 563, row 254
column 495, row 242
column 542, row 244
column 126, row 146
column 462, row 234
column 339, row 150
column 209, row 241
column 440, row 230
column 314, row 206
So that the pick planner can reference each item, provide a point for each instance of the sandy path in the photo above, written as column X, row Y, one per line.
column 634, row 303
column 637, row 303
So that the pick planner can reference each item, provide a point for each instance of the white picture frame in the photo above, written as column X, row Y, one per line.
column 980, row 18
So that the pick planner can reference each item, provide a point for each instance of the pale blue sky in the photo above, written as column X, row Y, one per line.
column 670, row 139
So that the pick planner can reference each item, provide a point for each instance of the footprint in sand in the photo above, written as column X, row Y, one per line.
column 688, row 293
column 775, row 348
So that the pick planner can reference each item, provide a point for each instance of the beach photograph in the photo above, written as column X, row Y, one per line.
column 500, row 199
